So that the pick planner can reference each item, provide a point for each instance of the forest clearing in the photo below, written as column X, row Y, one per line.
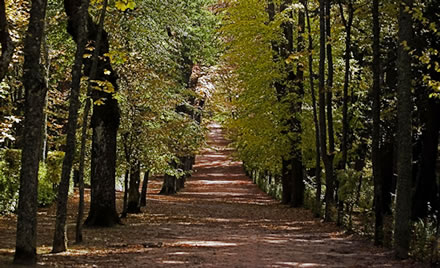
column 233, row 133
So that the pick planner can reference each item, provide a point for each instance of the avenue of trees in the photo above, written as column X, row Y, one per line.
column 98, row 92
column 331, row 104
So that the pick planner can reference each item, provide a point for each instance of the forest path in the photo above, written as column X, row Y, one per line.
column 221, row 219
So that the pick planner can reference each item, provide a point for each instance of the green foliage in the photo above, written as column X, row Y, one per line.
column 9, row 179
column 425, row 240
column 348, row 184
column 268, row 183
column 250, row 71
column 49, row 175
column 46, row 189
column 54, row 164
column 158, row 49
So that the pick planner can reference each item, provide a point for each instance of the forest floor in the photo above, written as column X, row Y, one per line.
column 220, row 219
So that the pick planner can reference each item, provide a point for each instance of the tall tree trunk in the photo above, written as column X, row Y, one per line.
column 329, row 99
column 404, row 134
column 60, row 235
column 347, row 25
column 378, row 200
column 323, row 104
column 46, row 64
column 321, row 94
column 345, row 121
column 105, row 123
column 143, row 197
column 35, row 91
column 286, row 183
column 133, row 193
column 82, row 155
column 5, row 41
column 296, row 127
column 315, row 117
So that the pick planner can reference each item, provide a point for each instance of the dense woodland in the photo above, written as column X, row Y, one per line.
column 331, row 105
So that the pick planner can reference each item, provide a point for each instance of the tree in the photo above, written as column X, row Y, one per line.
column 143, row 197
column 315, row 115
column 105, row 122
column 323, row 99
column 60, row 239
column 35, row 91
column 404, row 133
column 378, row 201
column 5, row 41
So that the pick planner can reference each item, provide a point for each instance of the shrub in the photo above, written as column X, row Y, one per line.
column 9, row 179
column 48, row 176
column 425, row 239
column 54, row 165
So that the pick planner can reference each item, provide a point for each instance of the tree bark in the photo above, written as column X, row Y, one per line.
column 126, row 189
column 35, row 91
column 169, row 182
column 133, row 193
column 60, row 235
column 82, row 155
column 5, row 41
column 404, row 135
column 378, row 200
column 143, row 197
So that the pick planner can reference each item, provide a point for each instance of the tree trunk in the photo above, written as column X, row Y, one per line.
column 105, row 122
column 330, row 176
column 46, row 64
column 126, row 188
column 323, row 102
column 347, row 25
column 35, row 91
column 143, row 198
column 133, row 193
column 82, row 156
column 60, row 235
column 315, row 118
column 169, row 182
column 378, row 201
column 103, row 198
column 169, row 185
column 296, row 127
column 5, row 41
column 426, row 183
column 404, row 135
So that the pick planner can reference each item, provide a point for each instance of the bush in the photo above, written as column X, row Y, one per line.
column 425, row 239
column 54, row 165
column 9, row 180
column 48, row 176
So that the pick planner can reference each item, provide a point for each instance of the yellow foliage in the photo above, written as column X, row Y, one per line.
column 123, row 5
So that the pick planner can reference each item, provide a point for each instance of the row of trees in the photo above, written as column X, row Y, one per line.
column 135, row 69
column 341, row 88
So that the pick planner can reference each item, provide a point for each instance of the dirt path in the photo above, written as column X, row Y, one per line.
column 221, row 219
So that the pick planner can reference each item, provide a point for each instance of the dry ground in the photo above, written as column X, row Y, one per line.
column 221, row 219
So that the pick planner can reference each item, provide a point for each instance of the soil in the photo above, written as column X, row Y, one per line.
column 220, row 219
